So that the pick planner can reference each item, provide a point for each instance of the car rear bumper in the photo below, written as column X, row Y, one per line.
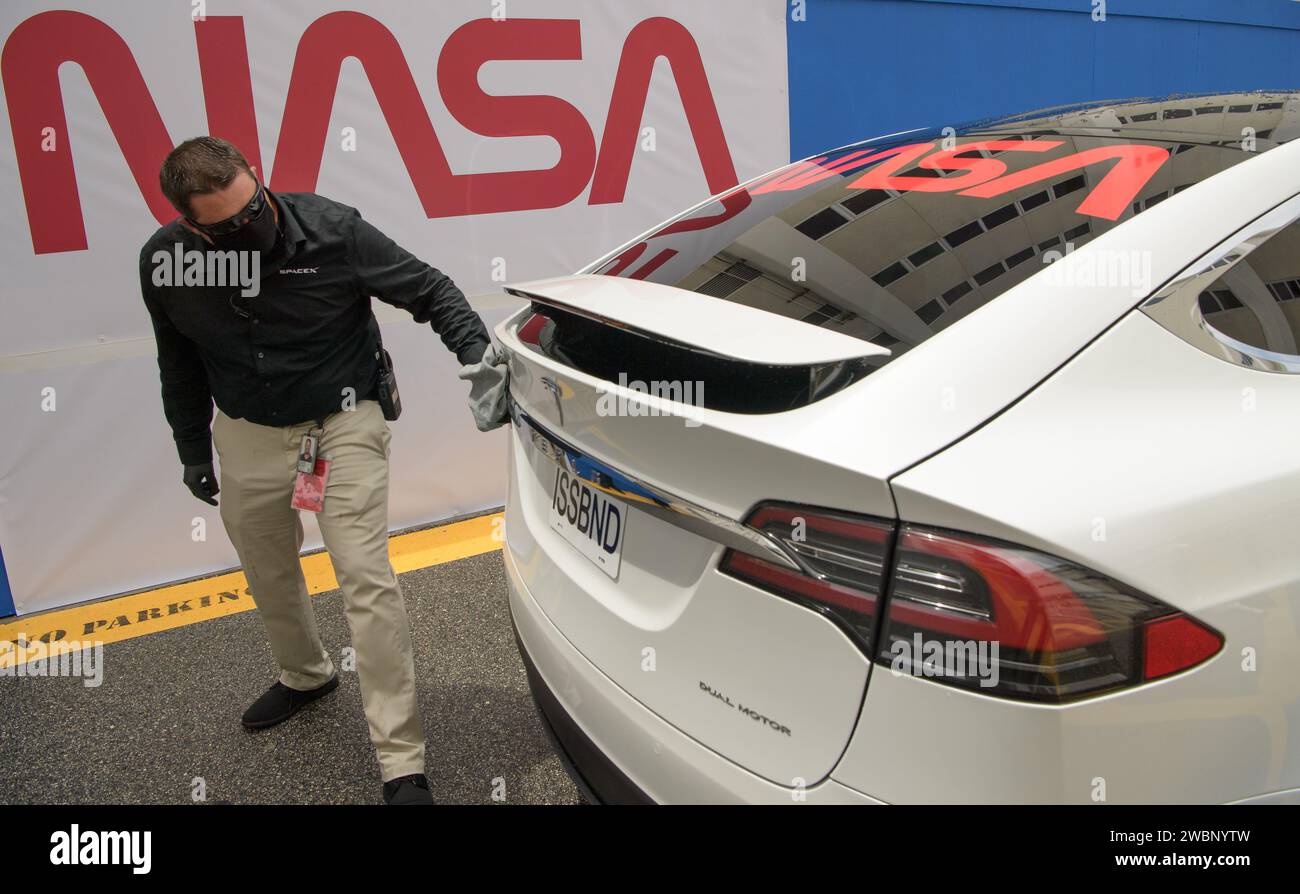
column 617, row 750
column 597, row 777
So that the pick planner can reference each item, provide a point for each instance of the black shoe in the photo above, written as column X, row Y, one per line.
column 407, row 790
column 279, row 703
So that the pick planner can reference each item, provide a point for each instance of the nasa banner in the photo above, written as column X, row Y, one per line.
column 498, row 140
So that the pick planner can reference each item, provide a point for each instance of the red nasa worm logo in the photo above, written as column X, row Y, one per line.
column 1133, row 165
column 34, row 51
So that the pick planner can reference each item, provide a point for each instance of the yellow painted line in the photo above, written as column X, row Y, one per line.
column 178, row 605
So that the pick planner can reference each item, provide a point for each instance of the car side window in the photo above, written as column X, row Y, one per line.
column 1241, row 302
column 1256, row 302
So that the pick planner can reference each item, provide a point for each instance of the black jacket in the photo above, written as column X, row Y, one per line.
column 288, row 354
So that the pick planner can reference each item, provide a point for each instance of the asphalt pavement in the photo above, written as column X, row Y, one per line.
column 163, row 727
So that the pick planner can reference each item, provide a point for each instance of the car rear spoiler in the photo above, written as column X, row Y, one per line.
column 689, row 320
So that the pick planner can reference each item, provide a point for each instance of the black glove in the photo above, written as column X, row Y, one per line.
column 202, row 482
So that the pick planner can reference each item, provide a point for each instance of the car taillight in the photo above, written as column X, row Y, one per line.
column 843, row 556
column 1175, row 643
column 971, row 611
column 1016, row 622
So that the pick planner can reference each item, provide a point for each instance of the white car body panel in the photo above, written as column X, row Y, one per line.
column 1145, row 441
column 667, row 764
column 1032, row 419
column 687, row 613
column 967, row 373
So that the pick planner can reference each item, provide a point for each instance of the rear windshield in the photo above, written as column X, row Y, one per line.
column 893, row 241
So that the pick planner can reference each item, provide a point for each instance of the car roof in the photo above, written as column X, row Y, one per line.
column 1204, row 117
column 1201, row 118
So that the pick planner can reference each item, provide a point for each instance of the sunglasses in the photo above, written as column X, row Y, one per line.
column 255, row 208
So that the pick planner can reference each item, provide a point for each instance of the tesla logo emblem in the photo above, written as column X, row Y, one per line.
column 552, row 386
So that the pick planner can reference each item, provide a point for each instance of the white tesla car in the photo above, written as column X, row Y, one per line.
column 953, row 466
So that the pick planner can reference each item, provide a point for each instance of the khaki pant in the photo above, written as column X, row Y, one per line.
column 258, row 468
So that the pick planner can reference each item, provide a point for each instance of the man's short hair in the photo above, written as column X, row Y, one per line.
column 199, row 165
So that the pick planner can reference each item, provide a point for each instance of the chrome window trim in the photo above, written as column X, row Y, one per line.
column 671, row 508
column 1176, row 306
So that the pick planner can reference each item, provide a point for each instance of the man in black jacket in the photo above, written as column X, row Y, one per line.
column 260, row 303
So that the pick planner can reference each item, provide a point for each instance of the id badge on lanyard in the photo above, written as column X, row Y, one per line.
column 313, row 472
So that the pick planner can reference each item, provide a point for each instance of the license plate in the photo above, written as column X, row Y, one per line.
column 593, row 521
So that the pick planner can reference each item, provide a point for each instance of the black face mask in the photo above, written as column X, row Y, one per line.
column 261, row 235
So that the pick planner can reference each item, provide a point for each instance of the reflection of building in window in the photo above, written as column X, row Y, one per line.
column 844, row 213
column 1257, row 301
column 894, row 266
column 1286, row 289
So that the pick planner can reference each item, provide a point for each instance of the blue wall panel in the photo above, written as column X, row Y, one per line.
column 860, row 68
column 6, row 597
